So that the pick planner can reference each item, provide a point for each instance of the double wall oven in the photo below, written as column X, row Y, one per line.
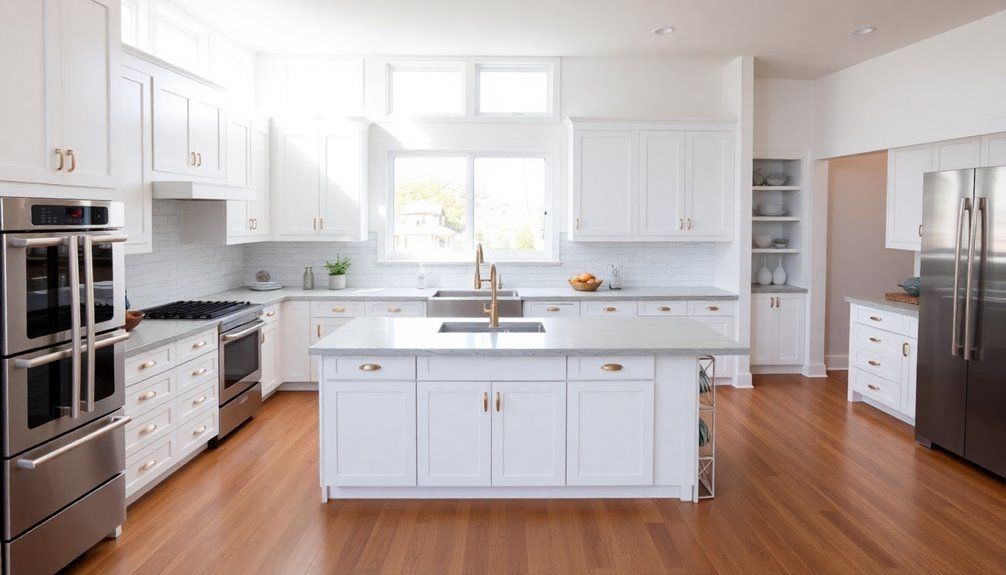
column 63, row 380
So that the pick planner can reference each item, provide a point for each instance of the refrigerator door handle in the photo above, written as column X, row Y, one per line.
column 955, row 339
column 968, row 332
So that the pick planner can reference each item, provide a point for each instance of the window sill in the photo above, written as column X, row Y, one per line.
column 468, row 263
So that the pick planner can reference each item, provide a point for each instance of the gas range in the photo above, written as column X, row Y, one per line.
column 196, row 309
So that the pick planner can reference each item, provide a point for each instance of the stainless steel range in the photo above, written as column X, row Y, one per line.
column 240, row 354
column 63, row 379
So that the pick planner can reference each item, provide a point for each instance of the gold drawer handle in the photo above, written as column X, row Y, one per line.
column 610, row 309
column 199, row 431
column 148, row 429
column 875, row 339
column 485, row 401
column 148, row 364
column 906, row 349
column 146, row 466
column 339, row 309
column 370, row 367
column 199, row 372
column 148, row 395
column 199, row 400
column 713, row 308
column 612, row 367
column 498, row 401
column 663, row 308
column 874, row 363
column 270, row 313
column 875, row 318
column 199, row 344
column 394, row 309
column 552, row 308
column 873, row 387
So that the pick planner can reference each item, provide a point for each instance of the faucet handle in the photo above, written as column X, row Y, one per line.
column 499, row 281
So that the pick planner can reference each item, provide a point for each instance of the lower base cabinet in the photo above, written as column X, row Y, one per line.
column 777, row 329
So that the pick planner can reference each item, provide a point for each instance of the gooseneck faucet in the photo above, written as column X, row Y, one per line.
column 494, row 308
column 479, row 260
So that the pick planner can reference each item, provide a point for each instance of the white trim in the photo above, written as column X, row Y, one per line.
column 682, row 492
column 777, row 369
column 816, row 370
column 837, row 362
column 296, row 386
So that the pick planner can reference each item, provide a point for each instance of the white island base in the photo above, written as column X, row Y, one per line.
column 530, row 427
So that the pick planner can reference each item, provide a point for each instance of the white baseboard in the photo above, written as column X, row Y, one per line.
column 814, row 370
column 298, row 386
column 777, row 369
column 837, row 362
column 743, row 381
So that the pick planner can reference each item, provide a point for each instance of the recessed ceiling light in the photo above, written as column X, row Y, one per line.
column 664, row 31
column 864, row 31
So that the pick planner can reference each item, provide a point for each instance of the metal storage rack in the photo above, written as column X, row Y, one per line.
column 706, row 484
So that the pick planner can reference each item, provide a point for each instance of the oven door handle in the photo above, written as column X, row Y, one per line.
column 36, row 242
column 89, row 319
column 58, row 355
column 109, row 238
column 117, row 422
column 75, row 349
column 238, row 335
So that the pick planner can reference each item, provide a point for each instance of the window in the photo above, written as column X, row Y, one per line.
column 130, row 18
column 179, row 40
column 514, row 89
column 427, row 89
column 444, row 203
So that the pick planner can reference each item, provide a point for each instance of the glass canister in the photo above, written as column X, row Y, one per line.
column 308, row 278
column 615, row 276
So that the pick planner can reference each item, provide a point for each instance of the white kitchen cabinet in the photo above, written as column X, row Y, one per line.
column 132, row 145
column 909, row 375
column 957, row 154
column 883, row 359
column 295, row 326
column 270, row 358
column 662, row 183
column 259, row 208
column 609, row 433
column 319, row 186
column 709, row 185
column 375, row 426
column 60, row 60
column 248, row 166
column 320, row 327
column 529, row 433
column 777, row 329
column 603, row 175
column 237, row 144
column 454, row 433
column 188, row 127
column 993, row 152
column 905, row 169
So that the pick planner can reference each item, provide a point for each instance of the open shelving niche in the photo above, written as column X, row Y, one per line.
column 790, row 226
column 706, row 468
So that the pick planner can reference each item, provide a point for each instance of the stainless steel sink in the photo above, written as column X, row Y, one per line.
column 471, row 303
column 475, row 327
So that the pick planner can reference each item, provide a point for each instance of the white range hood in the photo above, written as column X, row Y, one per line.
column 200, row 191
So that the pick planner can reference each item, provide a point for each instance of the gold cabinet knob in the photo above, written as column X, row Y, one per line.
column 370, row 367
column 612, row 367
column 148, row 395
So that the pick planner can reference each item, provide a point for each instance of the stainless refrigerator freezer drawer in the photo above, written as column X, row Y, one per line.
column 32, row 494
column 63, row 537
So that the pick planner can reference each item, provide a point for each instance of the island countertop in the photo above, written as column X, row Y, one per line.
column 562, row 336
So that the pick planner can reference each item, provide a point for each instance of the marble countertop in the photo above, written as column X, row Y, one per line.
column 563, row 336
column 778, row 289
column 153, row 333
column 881, row 303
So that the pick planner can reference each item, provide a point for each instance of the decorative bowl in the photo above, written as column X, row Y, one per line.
column 776, row 179
column 133, row 319
column 763, row 241
column 780, row 243
column 585, row 286
column 758, row 177
column 911, row 286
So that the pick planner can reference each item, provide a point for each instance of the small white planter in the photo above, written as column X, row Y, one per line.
column 337, row 282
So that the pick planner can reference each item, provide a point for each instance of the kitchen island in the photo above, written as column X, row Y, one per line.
column 565, row 407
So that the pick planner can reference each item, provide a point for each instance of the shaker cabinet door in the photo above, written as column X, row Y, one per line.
column 171, row 125
column 905, row 169
column 529, row 433
column 709, row 184
column 297, row 182
column 789, row 338
column 764, row 329
column 661, row 183
column 454, row 433
column 604, row 184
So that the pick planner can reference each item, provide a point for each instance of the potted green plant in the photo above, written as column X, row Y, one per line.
column 337, row 272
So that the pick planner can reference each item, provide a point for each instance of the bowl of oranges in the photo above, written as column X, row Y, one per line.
column 585, row 282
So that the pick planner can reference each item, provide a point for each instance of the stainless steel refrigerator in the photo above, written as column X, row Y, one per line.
column 961, row 395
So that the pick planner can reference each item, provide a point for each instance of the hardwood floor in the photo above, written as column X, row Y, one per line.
column 807, row 484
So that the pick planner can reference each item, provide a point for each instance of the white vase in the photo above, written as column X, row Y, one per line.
column 764, row 275
column 779, row 275
column 337, row 282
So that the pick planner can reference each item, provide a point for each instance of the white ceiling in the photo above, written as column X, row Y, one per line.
column 789, row 38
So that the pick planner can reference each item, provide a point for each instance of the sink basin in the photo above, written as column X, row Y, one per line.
column 470, row 303
column 473, row 327
column 471, row 293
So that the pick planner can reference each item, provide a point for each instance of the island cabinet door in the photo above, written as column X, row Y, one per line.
column 529, row 433
column 609, row 433
column 454, row 433
column 369, row 433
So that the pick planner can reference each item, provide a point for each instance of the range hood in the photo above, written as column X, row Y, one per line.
column 200, row 191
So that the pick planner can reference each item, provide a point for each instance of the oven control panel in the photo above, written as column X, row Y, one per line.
column 53, row 215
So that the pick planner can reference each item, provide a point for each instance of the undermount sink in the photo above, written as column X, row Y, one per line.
column 471, row 303
column 509, row 327
column 471, row 293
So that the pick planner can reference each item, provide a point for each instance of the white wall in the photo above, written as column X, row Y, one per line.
column 783, row 115
column 944, row 87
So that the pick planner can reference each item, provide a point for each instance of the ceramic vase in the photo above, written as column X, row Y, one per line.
column 764, row 276
column 779, row 275
column 337, row 282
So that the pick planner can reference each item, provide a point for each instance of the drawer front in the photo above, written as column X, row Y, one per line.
column 149, row 363
column 195, row 433
column 876, row 388
column 491, row 368
column 197, row 371
column 880, row 319
column 146, row 430
column 197, row 401
column 396, row 308
column 885, row 365
column 336, row 308
column 152, row 393
column 610, row 368
column 608, row 309
column 710, row 308
column 270, row 313
column 374, row 368
column 876, row 341
column 552, row 309
column 661, row 308
column 912, row 327
column 196, row 345
column 150, row 463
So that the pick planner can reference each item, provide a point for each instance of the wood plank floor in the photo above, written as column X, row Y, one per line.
column 807, row 484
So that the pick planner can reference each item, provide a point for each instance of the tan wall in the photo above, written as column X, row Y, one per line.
column 858, row 262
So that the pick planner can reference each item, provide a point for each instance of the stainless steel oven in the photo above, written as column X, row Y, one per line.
column 240, row 357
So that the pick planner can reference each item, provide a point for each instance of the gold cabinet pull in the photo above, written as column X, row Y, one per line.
column 578, row 223
column 199, row 431
column 771, row 302
column 319, row 330
column 339, row 309
column 485, row 401
column 321, row 223
column 778, row 302
column 920, row 230
column 498, row 401
column 873, row 387
column 689, row 223
column 612, row 367
column 314, row 223
column 906, row 349
column 146, row 466
column 199, row 372
column 875, row 339
column 73, row 161
column 199, row 400
column 395, row 309
column 713, row 308
column 681, row 223
column 199, row 344
column 552, row 308
column 610, row 309
column 59, row 152
column 875, row 318
column 874, row 363
column 199, row 158
column 270, row 313
column 148, row 364
column 663, row 308
column 262, row 339
column 148, row 429
column 370, row 367
column 192, row 158
column 251, row 224
column 148, row 395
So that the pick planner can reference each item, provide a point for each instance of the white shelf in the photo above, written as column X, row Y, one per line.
column 775, row 219
column 774, row 251
column 776, row 188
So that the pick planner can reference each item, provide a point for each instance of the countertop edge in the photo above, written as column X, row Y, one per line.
column 578, row 352
column 198, row 326
column 894, row 307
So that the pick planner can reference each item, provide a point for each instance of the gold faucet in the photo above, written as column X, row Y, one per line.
column 494, row 307
column 479, row 260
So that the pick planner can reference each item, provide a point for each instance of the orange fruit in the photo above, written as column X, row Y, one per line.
column 586, row 277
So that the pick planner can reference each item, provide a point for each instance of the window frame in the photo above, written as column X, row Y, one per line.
column 547, row 255
column 516, row 66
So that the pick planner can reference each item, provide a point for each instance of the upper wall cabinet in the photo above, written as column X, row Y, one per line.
column 319, row 186
column 651, row 181
column 60, row 63
column 132, row 152
column 248, row 166
column 189, row 128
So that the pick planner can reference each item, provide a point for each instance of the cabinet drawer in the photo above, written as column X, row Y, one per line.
column 885, row 365
column 552, row 309
column 148, row 464
column 611, row 367
column 149, row 363
column 365, row 368
column 491, row 369
column 201, row 399
column 661, row 308
column 875, row 341
column 196, row 371
column 270, row 313
column 912, row 327
column 396, row 308
column 876, row 388
column 710, row 308
column 608, row 309
column 151, row 393
column 195, row 433
column 144, row 431
column 196, row 345
column 880, row 319
column 336, row 308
